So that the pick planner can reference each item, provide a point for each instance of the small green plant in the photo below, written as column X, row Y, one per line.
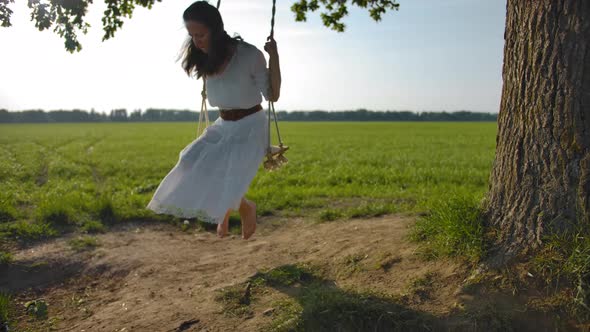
column 37, row 308
column 39, row 265
column 330, row 215
column 352, row 263
column 370, row 210
column 93, row 226
column 236, row 300
column 5, row 258
column 419, row 288
column 385, row 261
column 4, row 308
column 83, row 243
column 285, row 275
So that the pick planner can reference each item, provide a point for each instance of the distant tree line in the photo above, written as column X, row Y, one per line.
column 152, row 114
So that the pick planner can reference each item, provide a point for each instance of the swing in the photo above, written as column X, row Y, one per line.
column 274, row 154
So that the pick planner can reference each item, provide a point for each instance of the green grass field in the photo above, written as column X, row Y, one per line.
column 60, row 177
column 86, row 177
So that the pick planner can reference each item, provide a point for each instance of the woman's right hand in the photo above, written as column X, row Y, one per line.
column 271, row 46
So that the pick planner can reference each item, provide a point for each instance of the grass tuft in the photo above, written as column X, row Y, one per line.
column 330, row 215
column 564, row 260
column 235, row 300
column 5, row 258
column 22, row 230
column 286, row 316
column 55, row 212
column 454, row 227
column 60, row 217
column 351, row 264
column 419, row 289
column 83, row 243
column 37, row 308
column 371, row 210
column 285, row 275
column 7, row 212
column 4, row 308
column 93, row 226
column 105, row 210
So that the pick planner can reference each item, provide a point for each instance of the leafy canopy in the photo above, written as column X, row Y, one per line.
column 67, row 16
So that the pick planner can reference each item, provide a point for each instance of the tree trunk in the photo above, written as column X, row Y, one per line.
column 540, row 181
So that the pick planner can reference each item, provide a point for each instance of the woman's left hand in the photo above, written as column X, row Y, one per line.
column 271, row 46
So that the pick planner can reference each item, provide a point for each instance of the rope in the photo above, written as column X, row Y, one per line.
column 272, row 20
column 268, row 131
column 204, row 115
column 271, row 106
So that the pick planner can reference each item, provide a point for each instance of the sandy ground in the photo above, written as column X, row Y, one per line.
column 155, row 277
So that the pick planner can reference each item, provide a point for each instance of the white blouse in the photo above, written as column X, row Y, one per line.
column 242, row 81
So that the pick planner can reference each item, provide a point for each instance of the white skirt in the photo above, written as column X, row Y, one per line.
column 214, row 171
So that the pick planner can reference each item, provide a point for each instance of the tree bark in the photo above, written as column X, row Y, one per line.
column 540, row 180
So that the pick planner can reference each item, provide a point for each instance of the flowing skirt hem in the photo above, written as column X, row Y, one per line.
column 200, row 214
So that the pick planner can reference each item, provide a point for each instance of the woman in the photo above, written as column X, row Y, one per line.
column 214, row 171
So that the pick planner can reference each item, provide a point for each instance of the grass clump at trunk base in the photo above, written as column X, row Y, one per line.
column 564, row 265
column 453, row 227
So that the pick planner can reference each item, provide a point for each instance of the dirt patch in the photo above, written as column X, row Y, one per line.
column 154, row 277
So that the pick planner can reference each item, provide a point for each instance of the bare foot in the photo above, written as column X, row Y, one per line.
column 248, row 216
column 223, row 228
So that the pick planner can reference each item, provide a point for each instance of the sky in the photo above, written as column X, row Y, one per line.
column 428, row 56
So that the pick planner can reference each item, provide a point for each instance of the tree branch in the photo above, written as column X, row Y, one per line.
column 67, row 17
column 335, row 10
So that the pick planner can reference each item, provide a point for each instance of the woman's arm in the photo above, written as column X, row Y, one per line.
column 275, row 70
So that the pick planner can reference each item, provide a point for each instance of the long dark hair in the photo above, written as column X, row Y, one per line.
column 220, row 43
